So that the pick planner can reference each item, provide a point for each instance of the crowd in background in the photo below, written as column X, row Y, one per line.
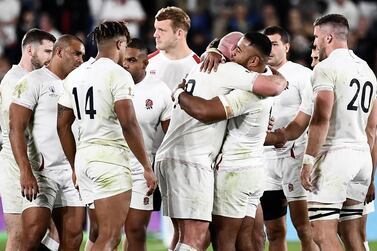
column 209, row 19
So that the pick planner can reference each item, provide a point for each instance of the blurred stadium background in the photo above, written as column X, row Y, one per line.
column 209, row 19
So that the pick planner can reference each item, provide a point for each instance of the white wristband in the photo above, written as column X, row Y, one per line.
column 176, row 95
column 308, row 160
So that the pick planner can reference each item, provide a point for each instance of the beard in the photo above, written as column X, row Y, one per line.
column 36, row 62
column 321, row 54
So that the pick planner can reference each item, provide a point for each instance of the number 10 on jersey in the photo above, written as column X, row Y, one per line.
column 89, row 103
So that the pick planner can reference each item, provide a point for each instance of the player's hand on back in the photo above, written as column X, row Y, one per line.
column 151, row 180
column 211, row 62
column 29, row 185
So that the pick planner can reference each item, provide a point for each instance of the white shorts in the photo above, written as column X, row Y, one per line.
column 368, row 208
column 10, row 187
column 284, row 174
column 237, row 191
column 56, row 189
column 102, row 172
column 139, row 200
column 341, row 174
column 186, row 189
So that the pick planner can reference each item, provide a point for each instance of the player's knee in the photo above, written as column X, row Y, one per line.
column 136, row 232
column 304, row 231
column 244, row 244
column 73, row 238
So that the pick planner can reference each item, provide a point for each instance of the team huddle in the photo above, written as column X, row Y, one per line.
column 230, row 139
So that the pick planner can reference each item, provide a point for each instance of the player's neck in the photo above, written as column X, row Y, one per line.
column 140, row 78
column 178, row 52
column 56, row 68
column 336, row 45
column 283, row 62
column 108, row 53
column 260, row 68
column 25, row 63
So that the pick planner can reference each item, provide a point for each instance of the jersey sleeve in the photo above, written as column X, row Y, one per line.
column 235, row 76
column 238, row 102
column 122, row 85
column 26, row 93
column 168, row 104
column 306, row 93
column 322, row 79
column 65, row 98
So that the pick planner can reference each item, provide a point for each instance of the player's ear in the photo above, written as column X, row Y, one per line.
column 59, row 51
column 329, row 38
column 29, row 49
column 119, row 44
column 287, row 46
column 145, row 63
column 253, row 61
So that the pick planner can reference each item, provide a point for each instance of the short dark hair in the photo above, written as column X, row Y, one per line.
column 178, row 17
column 64, row 41
column 260, row 42
column 109, row 30
column 36, row 36
column 138, row 44
column 272, row 30
column 338, row 22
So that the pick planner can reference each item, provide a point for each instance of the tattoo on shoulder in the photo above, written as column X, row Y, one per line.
column 62, row 109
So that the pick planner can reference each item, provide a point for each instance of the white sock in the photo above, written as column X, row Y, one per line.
column 366, row 246
column 184, row 247
column 50, row 243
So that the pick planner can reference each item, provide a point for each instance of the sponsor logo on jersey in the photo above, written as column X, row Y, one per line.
column 152, row 72
column 149, row 104
column 52, row 90
column 146, row 201
column 290, row 187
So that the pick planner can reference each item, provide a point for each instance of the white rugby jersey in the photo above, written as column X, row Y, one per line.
column 153, row 104
column 91, row 91
column 354, row 86
column 246, row 131
column 39, row 91
column 6, row 89
column 189, row 140
column 170, row 71
column 297, row 98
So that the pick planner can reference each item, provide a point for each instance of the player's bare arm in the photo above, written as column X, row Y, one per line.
column 318, row 129
column 269, row 86
column 65, row 120
column 371, row 194
column 371, row 126
column 371, row 134
column 19, row 118
column 132, row 133
column 297, row 126
column 206, row 111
